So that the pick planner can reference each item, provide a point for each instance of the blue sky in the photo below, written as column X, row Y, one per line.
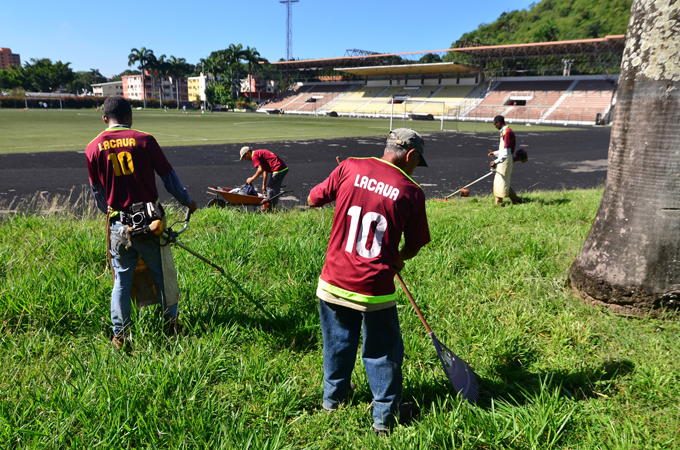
column 101, row 34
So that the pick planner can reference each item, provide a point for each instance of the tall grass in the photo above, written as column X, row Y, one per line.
column 554, row 372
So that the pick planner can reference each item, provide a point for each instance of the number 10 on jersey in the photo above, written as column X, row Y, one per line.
column 364, row 231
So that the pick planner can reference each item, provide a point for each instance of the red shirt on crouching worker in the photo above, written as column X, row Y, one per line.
column 375, row 202
column 266, row 163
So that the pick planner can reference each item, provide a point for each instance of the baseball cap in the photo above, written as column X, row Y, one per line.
column 244, row 150
column 408, row 139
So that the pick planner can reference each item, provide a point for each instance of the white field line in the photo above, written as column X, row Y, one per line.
column 144, row 115
column 165, row 141
column 251, row 139
column 248, row 123
column 44, row 146
column 290, row 122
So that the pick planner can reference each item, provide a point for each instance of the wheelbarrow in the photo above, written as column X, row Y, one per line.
column 230, row 199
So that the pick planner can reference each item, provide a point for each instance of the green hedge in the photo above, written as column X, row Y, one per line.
column 82, row 102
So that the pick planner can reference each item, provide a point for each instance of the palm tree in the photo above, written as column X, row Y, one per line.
column 252, row 57
column 162, row 69
column 629, row 261
column 239, row 54
column 230, row 59
column 178, row 68
column 210, row 66
column 143, row 57
column 95, row 73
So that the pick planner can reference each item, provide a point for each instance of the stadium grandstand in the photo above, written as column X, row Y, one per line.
column 565, row 82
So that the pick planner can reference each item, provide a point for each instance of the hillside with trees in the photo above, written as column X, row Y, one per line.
column 555, row 20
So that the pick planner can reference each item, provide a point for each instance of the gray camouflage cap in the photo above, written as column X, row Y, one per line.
column 408, row 139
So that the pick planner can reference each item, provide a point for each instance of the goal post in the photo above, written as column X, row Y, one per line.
column 408, row 110
column 419, row 114
column 40, row 100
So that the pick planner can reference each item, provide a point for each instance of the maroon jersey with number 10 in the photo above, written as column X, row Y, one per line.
column 375, row 202
column 124, row 162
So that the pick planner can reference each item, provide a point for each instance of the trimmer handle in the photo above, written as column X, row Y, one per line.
column 187, row 216
column 172, row 235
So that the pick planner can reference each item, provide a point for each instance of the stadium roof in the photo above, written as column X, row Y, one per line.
column 410, row 69
column 599, row 45
column 607, row 43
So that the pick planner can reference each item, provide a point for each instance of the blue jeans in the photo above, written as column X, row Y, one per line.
column 124, row 261
column 382, row 353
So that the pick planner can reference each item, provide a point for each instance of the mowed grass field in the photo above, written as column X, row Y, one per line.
column 61, row 130
column 554, row 372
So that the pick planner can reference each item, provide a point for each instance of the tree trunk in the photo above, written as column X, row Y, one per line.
column 630, row 261
column 143, row 87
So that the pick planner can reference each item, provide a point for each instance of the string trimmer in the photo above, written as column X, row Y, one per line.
column 519, row 155
column 171, row 237
column 464, row 192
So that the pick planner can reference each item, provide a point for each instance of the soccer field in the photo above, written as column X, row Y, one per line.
column 61, row 130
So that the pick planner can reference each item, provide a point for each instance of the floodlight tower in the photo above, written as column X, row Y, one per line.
column 289, row 30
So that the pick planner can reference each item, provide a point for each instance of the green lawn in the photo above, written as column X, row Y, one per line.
column 55, row 130
column 554, row 372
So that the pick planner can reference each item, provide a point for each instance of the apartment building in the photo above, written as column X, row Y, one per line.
column 133, row 89
column 260, row 89
column 107, row 89
column 7, row 58
column 196, row 87
column 153, row 88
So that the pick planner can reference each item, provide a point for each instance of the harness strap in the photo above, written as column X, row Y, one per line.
column 110, row 213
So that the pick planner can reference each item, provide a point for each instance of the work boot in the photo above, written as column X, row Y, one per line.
column 350, row 392
column 499, row 201
column 407, row 412
column 174, row 327
column 514, row 198
column 120, row 342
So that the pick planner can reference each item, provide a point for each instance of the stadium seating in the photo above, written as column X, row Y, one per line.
column 285, row 97
column 376, row 100
column 575, row 101
column 538, row 97
column 305, row 99
column 584, row 102
column 451, row 96
column 355, row 99
column 539, row 101
column 316, row 97
column 381, row 101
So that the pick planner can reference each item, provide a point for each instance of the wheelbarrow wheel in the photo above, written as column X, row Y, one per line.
column 217, row 203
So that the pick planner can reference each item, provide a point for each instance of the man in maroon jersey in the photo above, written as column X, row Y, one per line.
column 375, row 202
column 266, row 163
column 503, row 163
column 121, row 163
